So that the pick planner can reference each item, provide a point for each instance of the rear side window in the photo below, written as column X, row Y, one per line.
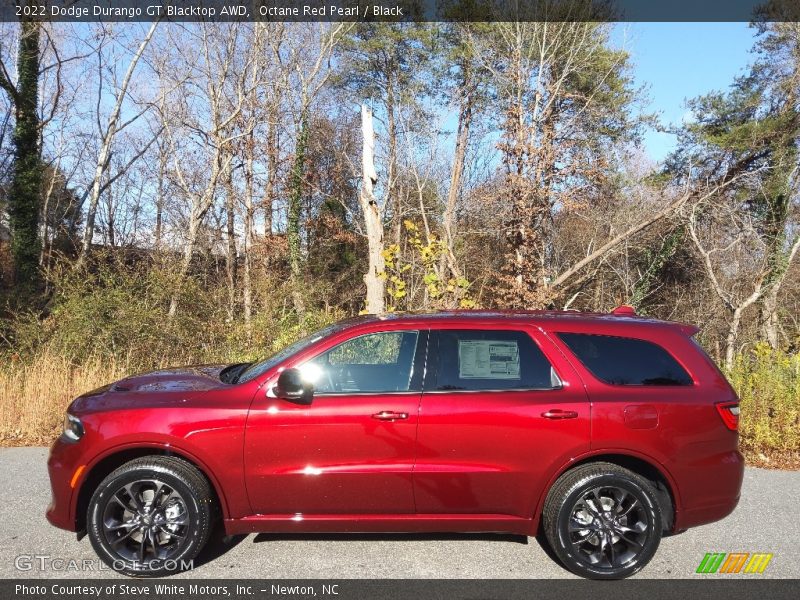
column 474, row 360
column 626, row 361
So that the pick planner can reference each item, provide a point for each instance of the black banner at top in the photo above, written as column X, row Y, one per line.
column 398, row 10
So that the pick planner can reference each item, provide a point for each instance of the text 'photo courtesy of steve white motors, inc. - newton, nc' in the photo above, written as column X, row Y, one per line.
column 198, row 9
column 209, row 590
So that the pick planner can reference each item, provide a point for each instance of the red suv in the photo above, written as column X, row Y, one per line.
column 603, row 431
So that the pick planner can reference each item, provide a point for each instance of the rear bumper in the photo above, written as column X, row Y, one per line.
column 714, row 492
column 704, row 514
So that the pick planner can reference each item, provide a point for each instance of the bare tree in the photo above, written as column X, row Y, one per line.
column 218, row 86
column 308, row 63
column 108, row 132
column 730, row 258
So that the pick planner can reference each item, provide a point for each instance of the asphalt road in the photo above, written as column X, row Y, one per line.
column 766, row 520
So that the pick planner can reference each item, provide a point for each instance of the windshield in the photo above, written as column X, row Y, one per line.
column 258, row 368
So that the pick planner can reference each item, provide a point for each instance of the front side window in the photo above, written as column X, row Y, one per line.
column 259, row 368
column 626, row 361
column 373, row 363
column 475, row 360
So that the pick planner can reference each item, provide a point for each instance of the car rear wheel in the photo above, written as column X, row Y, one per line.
column 151, row 516
column 603, row 521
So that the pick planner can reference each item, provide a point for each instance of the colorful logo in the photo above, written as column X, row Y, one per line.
column 735, row 562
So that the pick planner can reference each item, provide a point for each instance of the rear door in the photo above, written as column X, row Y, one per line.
column 653, row 393
column 501, row 410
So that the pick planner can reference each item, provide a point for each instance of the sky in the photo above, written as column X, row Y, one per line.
column 678, row 61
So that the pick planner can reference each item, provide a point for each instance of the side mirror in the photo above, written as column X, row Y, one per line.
column 293, row 388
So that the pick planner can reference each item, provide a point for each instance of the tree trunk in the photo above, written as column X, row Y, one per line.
column 273, row 140
column 230, row 247
column 733, row 333
column 162, row 168
column 294, row 213
column 456, row 174
column 247, row 291
column 769, row 304
column 768, row 318
column 44, row 254
column 24, row 198
column 200, row 206
column 186, row 262
column 373, row 218
column 112, row 241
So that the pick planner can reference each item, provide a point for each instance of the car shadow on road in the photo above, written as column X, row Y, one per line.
column 390, row 537
column 218, row 544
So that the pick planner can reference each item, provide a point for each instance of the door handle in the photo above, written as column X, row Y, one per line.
column 389, row 415
column 557, row 413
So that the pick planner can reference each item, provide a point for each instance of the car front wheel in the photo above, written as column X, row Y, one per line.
column 603, row 521
column 151, row 516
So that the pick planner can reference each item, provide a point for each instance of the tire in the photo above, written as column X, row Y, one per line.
column 621, row 516
column 151, row 516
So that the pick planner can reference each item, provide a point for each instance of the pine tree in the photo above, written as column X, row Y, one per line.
column 753, row 129
column 564, row 97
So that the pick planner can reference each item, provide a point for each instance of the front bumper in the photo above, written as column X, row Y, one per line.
column 64, row 461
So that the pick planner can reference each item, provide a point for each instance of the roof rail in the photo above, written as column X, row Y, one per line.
column 625, row 310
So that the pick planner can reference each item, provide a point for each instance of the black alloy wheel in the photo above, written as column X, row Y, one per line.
column 151, row 516
column 146, row 520
column 603, row 521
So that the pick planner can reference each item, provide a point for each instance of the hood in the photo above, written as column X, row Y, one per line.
column 182, row 379
column 150, row 389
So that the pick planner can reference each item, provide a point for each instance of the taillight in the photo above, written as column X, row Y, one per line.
column 729, row 411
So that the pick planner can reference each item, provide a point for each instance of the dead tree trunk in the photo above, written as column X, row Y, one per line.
column 373, row 218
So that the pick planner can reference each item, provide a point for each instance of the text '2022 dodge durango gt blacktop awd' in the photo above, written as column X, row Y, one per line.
column 603, row 431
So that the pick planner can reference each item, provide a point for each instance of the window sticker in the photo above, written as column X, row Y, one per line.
column 488, row 359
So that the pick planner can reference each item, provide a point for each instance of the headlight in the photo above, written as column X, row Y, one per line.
column 73, row 428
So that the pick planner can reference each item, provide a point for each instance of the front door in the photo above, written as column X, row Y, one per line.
column 497, row 415
column 351, row 451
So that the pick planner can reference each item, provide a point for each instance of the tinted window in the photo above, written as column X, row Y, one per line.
column 374, row 363
column 626, row 361
column 489, row 360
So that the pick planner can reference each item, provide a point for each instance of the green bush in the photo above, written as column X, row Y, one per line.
column 768, row 384
column 120, row 311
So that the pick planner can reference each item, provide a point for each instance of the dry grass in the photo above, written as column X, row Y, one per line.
column 34, row 394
